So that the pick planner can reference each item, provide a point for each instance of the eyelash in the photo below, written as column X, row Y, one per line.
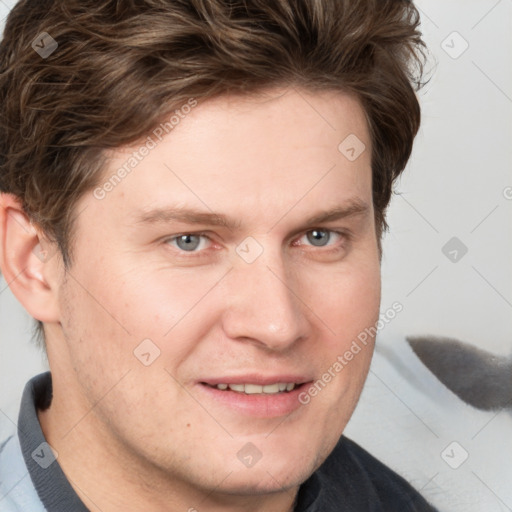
column 344, row 235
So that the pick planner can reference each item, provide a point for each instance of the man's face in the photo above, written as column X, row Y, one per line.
column 273, row 298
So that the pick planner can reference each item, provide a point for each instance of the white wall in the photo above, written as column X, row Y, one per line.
column 455, row 186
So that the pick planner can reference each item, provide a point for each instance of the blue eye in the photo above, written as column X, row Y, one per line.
column 198, row 243
column 318, row 237
column 187, row 242
column 321, row 237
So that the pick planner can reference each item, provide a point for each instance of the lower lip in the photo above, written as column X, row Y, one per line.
column 257, row 405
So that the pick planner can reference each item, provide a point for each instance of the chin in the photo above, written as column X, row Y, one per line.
column 273, row 477
column 261, row 483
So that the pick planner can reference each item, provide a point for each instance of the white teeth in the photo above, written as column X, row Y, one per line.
column 271, row 388
column 252, row 389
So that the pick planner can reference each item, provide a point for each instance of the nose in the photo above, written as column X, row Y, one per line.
column 264, row 305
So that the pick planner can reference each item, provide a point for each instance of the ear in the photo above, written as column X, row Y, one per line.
column 26, row 261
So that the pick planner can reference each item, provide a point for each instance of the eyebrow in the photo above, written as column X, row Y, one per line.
column 352, row 208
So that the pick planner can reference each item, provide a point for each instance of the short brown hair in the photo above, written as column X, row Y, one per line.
column 121, row 66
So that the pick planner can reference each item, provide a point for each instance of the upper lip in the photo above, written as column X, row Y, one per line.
column 258, row 379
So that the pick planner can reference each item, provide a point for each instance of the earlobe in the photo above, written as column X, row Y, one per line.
column 25, row 259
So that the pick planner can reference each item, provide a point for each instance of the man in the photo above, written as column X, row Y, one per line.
column 193, row 197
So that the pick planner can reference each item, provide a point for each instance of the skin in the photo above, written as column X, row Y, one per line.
column 269, row 162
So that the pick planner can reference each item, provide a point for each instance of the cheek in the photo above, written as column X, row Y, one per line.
column 362, row 300
column 122, row 306
column 93, row 337
column 348, row 306
column 348, row 301
column 164, row 294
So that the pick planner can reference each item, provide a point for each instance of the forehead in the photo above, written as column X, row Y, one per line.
column 254, row 156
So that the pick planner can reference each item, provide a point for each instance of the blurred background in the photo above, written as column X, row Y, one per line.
column 447, row 261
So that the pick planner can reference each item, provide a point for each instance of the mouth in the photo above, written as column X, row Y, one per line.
column 255, row 399
column 256, row 389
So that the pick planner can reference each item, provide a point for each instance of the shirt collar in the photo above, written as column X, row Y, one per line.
column 52, row 486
